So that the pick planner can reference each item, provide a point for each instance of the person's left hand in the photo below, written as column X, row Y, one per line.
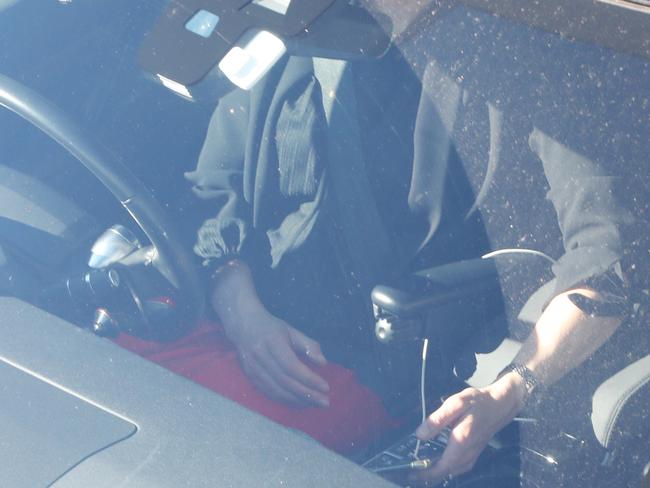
column 474, row 416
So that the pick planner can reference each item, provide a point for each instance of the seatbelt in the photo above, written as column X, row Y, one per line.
column 367, row 253
column 364, row 235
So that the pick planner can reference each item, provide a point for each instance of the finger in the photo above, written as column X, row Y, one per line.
column 309, row 395
column 271, row 388
column 307, row 347
column 448, row 413
column 457, row 458
column 290, row 363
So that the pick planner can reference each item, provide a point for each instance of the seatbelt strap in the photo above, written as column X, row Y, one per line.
column 364, row 234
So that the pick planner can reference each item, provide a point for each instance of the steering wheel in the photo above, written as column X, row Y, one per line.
column 172, row 260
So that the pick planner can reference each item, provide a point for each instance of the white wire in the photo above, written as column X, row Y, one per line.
column 499, row 252
column 425, row 348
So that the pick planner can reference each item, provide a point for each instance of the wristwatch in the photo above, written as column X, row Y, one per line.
column 531, row 383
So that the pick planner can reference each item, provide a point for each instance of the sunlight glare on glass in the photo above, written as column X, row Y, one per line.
column 175, row 87
column 279, row 6
column 202, row 23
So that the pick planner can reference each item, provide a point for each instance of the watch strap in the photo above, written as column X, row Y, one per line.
column 531, row 382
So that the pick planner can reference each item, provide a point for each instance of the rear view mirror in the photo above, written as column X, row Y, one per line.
column 245, row 39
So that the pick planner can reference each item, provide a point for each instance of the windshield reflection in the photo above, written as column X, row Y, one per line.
column 432, row 261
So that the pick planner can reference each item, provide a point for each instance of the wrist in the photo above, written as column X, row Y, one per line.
column 511, row 388
column 233, row 296
column 520, row 378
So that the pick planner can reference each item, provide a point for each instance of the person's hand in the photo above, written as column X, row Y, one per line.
column 474, row 416
column 275, row 356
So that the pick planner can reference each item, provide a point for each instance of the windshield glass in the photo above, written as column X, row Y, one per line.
column 454, row 181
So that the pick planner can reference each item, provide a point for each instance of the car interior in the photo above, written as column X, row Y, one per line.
column 95, row 228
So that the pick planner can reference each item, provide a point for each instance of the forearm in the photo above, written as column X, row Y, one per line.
column 563, row 338
column 233, row 293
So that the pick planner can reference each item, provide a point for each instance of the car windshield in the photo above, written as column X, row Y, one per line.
column 414, row 231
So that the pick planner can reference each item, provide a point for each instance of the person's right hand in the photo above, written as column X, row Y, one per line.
column 474, row 415
column 274, row 355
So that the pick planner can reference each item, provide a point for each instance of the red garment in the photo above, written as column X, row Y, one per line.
column 354, row 418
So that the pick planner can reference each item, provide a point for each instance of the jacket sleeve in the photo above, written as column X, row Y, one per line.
column 219, row 178
column 261, row 169
column 592, row 217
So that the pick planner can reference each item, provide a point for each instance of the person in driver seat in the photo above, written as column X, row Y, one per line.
column 302, row 221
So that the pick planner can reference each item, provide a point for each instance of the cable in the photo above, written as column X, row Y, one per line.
column 499, row 252
column 425, row 348
column 417, row 464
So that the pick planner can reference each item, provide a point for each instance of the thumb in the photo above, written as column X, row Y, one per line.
column 306, row 346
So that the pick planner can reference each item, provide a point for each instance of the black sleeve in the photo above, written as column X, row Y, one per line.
column 261, row 170
column 219, row 178
column 594, row 224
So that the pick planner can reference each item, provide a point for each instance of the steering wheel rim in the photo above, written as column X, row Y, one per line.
column 173, row 260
